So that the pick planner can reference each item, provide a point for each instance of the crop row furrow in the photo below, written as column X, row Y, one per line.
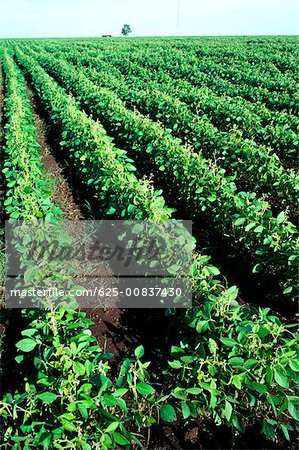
column 199, row 184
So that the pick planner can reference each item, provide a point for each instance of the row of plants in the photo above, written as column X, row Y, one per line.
column 273, row 55
column 253, row 166
column 240, row 71
column 182, row 65
column 186, row 53
column 187, row 64
column 28, row 195
column 276, row 51
column 68, row 398
column 271, row 128
column 199, row 184
column 276, row 129
column 211, row 323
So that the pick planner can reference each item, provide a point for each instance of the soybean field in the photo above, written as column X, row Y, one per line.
column 202, row 129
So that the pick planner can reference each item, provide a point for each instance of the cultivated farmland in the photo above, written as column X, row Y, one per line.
column 204, row 129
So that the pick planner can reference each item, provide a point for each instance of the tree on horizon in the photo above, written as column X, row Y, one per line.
column 126, row 30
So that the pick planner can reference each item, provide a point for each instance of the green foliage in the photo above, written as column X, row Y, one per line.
column 126, row 30
column 253, row 166
column 27, row 196
column 72, row 400
column 232, row 364
column 204, row 189
column 227, row 358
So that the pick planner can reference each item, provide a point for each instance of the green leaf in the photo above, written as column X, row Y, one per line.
column 68, row 425
column 228, row 342
column 236, row 361
column 238, row 424
column 194, row 391
column 237, row 381
column 185, row 410
column 239, row 221
column 232, row 293
column 79, row 368
column 280, row 217
column 268, row 429
column 228, row 410
column 250, row 226
column 256, row 268
column 119, row 439
column 293, row 411
column 213, row 270
column 83, row 410
column 137, row 228
column 47, row 397
column 201, row 325
column 112, row 427
column 120, row 392
column 281, row 379
column 26, row 345
column 145, row 389
column 285, row 431
column 111, row 211
column 294, row 365
column 168, row 413
column 258, row 229
column 85, row 446
column 212, row 198
column 29, row 332
column 174, row 269
column 139, row 352
column 288, row 290
column 175, row 364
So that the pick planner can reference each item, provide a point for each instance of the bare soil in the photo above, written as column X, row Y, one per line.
column 61, row 192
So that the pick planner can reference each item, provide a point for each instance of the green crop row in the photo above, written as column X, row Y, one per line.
column 277, row 51
column 233, row 364
column 223, row 310
column 192, row 66
column 278, row 130
column 198, row 183
column 27, row 196
column 2, row 241
column 70, row 397
column 181, row 65
column 253, row 166
column 272, row 89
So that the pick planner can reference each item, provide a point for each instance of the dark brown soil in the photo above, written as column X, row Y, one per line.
column 61, row 192
column 202, row 436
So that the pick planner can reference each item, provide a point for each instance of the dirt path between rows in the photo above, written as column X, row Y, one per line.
column 61, row 192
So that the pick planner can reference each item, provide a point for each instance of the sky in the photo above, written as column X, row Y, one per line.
column 91, row 18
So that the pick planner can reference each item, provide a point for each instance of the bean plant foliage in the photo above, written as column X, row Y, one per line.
column 214, row 130
column 73, row 383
